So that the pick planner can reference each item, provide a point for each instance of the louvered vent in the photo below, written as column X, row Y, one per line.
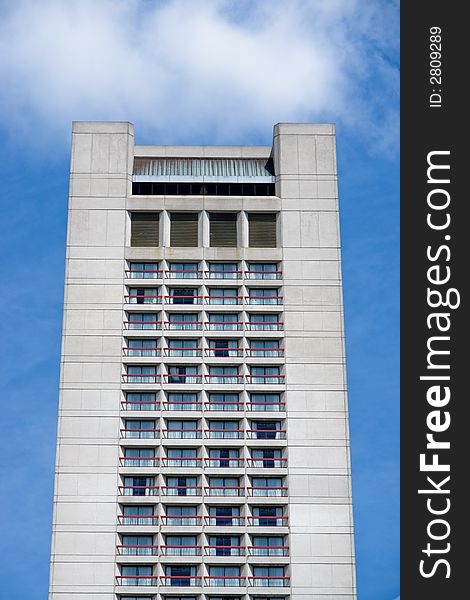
column 183, row 232
column 223, row 229
column 262, row 230
column 144, row 229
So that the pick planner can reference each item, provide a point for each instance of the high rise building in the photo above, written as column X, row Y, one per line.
column 203, row 449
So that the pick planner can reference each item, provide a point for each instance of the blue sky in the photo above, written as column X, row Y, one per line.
column 195, row 71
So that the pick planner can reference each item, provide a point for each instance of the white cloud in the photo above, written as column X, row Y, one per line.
column 186, row 68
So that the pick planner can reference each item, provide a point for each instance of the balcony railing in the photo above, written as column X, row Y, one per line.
column 152, row 351
column 136, row 580
column 181, row 490
column 142, row 324
column 266, row 434
column 140, row 433
column 268, row 521
column 175, row 351
column 223, row 299
column 180, row 550
column 141, row 377
column 185, row 379
column 143, row 273
column 137, row 550
column 224, row 581
column 224, row 521
column 181, row 462
column 183, row 325
column 268, row 550
column 180, row 580
column 183, row 274
column 138, row 490
column 267, row 490
column 221, row 274
column 181, row 520
column 255, row 299
column 224, row 379
column 265, row 379
column 171, row 299
column 223, row 433
column 142, row 299
column 263, row 274
column 182, row 434
column 224, row 463
column 267, row 463
column 141, row 520
column 224, row 490
column 223, row 406
column 269, row 581
column 130, row 405
column 181, row 405
column 138, row 461
column 224, row 550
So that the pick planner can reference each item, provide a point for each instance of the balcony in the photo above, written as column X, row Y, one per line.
column 224, row 550
column 266, row 406
column 268, row 550
column 139, row 520
column 183, row 274
column 223, row 299
column 181, row 405
column 263, row 275
column 267, row 463
column 224, row 325
column 182, row 462
column 182, row 378
column 264, row 326
column 141, row 377
column 143, row 273
column 221, row 274
column 224, row 490
column 224, row 379
column 149, row 351
column 269, row 581
column 138, row 461
column 223, row 434
column 140, row 433
column 172, row 299
column 138, row 490
column 182, row 434
column 224, row 352
column 181, row 520
column 266, row 434
column 180, row 550
column 224, row 463
column 181, row 490
column 223, row 406
column 257, row 299
column 224, row 521
column 224, row 581
column 183, row 325
column 268, row 521
column 129, row 405
column 182, row 351
column 136, row 580
column 180, row 580
column 142, row 299
column 140, row 325
column 137, row 550
column 267, row 491
column 264, row 352
column 265, row 379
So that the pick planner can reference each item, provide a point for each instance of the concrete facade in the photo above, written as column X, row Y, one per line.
column 308, row 482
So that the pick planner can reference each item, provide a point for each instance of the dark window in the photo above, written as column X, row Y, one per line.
column 262, row 230
column 144, row 229
column 154, row 188
column 223, row 229
column 183, row 231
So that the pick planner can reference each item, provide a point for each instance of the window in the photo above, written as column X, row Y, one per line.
column 183, row 296
column 223, row 296
column 224, row 458
column 183, row 347
column 224, row 402
column 183, row 375
column 224, row 430
column 143, row 296
column 224, row 576
column 223, row 229
column 263, row 271
column 269, row 576
column 224, row 546
column 262, row 230
column 144, row 229
column 267, row 458
column 141, row 374
column 224, row 375
column 137, row 545
column 265, row 375
column 223, row 348
column 181, row 516
column 139, row 486
column 268, row 516
column 182, row 457
column 224, row 322
column 267, row 486
column 224, row 486
column 182, row 430
column 184, row 229
column 266, row 430
column 268, row 546
column 182, row 402
column 266, row 402
column 155, row 188
column 184, row 321
column 139, row 457
column 223, row 271
column 136, row 575
column 138, row 401
column 224, row 516
column 264, row 348
column 180, row 545
column 138, row 515
column 143, row 321
column 139, row 429
column 264, row 296
column 145, row 347
column 143, row 271
column 181, row 270
column 260, row 322
column 181, row 486
column 180, row 576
